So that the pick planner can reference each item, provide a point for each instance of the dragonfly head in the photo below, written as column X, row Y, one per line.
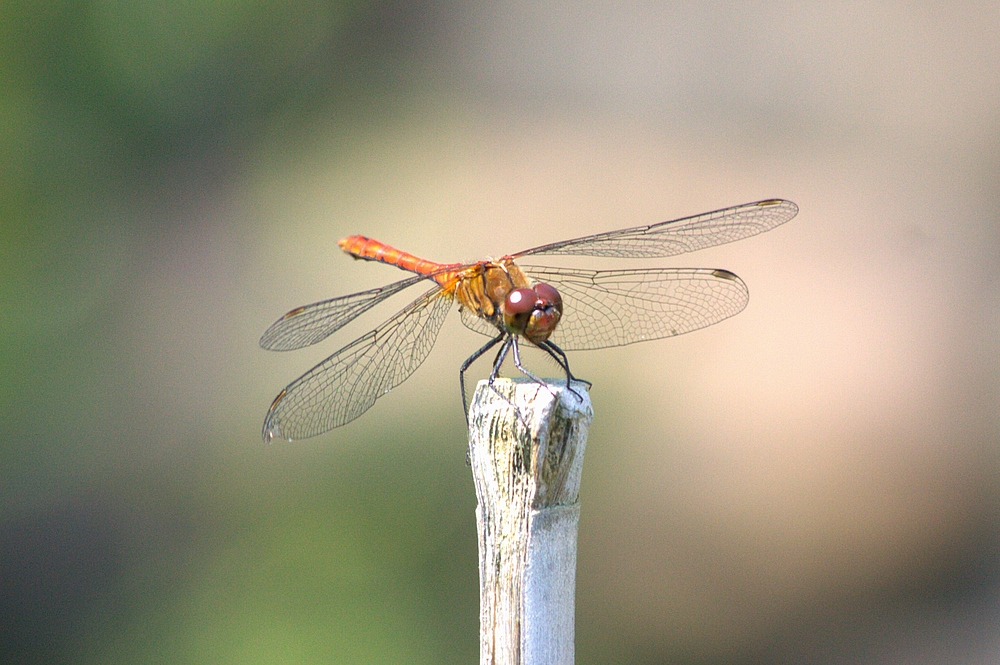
column 533, row 313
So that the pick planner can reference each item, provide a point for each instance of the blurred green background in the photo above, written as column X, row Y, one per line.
column 815, row 480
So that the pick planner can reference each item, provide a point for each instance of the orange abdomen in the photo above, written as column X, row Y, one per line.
column 362, row 247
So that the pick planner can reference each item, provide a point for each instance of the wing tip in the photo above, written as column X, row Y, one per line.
column 791, row 206
column 270, row 432
column 271, row 429
column 722, row 273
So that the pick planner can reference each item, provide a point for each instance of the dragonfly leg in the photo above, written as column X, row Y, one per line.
column 508, row 343
column 560, row 357
column 498, row 361
column 517, row 364
column 468, row 362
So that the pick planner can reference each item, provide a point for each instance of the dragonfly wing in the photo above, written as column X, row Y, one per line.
column 346, row 384
column 313, row 323
column 678, row 236
column 618, row 307
column 477, row 323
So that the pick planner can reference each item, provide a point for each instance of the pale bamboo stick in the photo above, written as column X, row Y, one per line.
column 526, row 446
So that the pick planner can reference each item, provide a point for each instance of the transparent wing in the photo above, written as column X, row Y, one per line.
column 678, row 236
column 473, row 321
column 313, row 323
column 618, row 307
column 346, row 384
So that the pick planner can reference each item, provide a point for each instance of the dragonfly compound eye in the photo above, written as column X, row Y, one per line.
column 544, row 318
column 517, row 309
column 548, row 295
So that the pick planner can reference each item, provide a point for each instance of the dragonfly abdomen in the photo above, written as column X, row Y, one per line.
column 369, row 249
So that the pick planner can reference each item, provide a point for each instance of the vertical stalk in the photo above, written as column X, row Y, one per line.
column 526, row 446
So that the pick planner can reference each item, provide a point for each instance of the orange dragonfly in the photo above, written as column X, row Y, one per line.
column 554, row 309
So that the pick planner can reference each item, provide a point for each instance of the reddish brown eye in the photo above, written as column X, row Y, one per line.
column 546, row 314
column 519, row 301
column 548, row 295
column 517, row 309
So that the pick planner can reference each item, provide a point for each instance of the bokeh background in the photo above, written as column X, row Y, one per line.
column 815, row 480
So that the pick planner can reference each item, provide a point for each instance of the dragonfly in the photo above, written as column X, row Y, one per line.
column 555, row 309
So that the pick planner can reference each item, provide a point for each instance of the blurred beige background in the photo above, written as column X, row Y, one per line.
column 815, row 480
